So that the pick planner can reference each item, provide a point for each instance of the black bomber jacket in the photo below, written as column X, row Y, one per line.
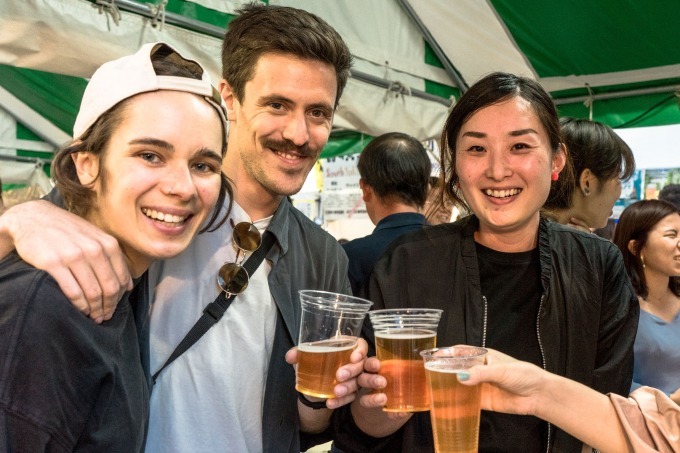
column 586, row 327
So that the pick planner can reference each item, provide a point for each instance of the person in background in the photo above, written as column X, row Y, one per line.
column 139, row 172
column 648, row 235
column 394, row 170
column 601, row 160
column 284, row 70
column 671, row 194
column 438, row 209
column 608, row 230
column 505, row 277
column 647, row 421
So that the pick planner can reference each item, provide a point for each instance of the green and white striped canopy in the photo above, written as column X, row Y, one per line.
column 616, row 61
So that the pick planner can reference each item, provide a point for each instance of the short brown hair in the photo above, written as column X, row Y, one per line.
column 261, row 29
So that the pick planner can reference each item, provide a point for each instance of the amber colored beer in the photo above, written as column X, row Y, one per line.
column 455, row 411
column 319, row 361
column 400, row 363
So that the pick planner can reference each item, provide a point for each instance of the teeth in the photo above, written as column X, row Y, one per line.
column 287, row 155
column 163, row 217
column 502, row 193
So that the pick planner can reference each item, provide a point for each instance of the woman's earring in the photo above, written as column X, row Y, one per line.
column 586, row 191
column 642, row 260
column 554, row 176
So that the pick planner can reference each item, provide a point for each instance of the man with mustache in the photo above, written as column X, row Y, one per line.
column 283, row 72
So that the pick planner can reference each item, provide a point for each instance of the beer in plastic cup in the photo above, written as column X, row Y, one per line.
column 400, row 335
column 454, row 407
column 329, row 327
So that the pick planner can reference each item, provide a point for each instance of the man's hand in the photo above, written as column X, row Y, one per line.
column 346, row 376
column 87, row 263
column 315, row 421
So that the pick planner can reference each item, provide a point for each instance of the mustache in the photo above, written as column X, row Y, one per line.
column 286, row 146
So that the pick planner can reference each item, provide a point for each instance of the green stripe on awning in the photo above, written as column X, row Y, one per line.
column 575, row 37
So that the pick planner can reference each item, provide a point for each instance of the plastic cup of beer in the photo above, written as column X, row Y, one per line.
column 454, row 407
column 400, row 335
column 329, row 328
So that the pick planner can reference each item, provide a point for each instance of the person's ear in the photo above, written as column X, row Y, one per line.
column 560, row 159
column 366, row 191
column 229, row 98
column 87, row 167
column 587, row 181
column 632, row 247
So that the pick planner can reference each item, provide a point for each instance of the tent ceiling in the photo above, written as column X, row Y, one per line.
column 621, row 57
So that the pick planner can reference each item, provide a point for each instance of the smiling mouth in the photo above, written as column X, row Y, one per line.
column 502, row 193
column 170, row 219
column 289, row 156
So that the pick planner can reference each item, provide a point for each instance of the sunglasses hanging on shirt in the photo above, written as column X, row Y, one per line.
column 233, row 278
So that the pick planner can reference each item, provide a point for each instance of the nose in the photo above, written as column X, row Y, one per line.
column 296, row 130
column 178, row 182
column 497, row 168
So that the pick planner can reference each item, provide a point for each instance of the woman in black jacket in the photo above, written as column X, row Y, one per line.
column 505, row 277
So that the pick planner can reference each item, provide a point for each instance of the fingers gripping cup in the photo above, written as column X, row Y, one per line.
column 329, row 328
column 400, row 335
column 454, row 407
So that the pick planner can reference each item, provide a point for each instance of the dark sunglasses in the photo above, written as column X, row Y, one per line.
column 232, row 277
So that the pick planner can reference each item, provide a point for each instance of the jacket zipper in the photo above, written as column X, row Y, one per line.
column 540, row 346
column 485, row 320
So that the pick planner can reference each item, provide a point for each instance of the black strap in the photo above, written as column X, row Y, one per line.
column 316, row 405
column 216, row 309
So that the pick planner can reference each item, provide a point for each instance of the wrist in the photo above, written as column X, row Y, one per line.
column 315, row 404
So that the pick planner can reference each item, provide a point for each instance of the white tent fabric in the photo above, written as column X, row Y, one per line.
column 472, row 36
column 655, row 146
column 73, row 37
column 76, row 36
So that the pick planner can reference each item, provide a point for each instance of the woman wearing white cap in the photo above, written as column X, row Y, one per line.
column 145, row 168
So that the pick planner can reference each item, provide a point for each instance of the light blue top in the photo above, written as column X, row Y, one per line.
column 657, row 353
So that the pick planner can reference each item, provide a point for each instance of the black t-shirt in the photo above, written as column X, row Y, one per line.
column 511, row 284
column 66, row 383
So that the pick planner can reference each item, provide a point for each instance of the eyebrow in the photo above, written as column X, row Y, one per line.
column 209, row 153
column 284, row 100
column 516, row 133
column 206, row 152
column 154, row 142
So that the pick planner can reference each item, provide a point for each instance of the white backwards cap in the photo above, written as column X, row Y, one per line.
column 134, row 74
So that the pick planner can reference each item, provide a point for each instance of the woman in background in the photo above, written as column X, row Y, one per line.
column 648, row 234
column 601, row 161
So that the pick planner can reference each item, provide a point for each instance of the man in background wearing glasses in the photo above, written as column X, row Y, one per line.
column 284, row 71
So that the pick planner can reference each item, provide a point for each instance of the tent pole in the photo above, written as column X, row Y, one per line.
column 31, row 160
column 143, row 9
column 379, row 82
column 427, row 36
column 618, row 94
